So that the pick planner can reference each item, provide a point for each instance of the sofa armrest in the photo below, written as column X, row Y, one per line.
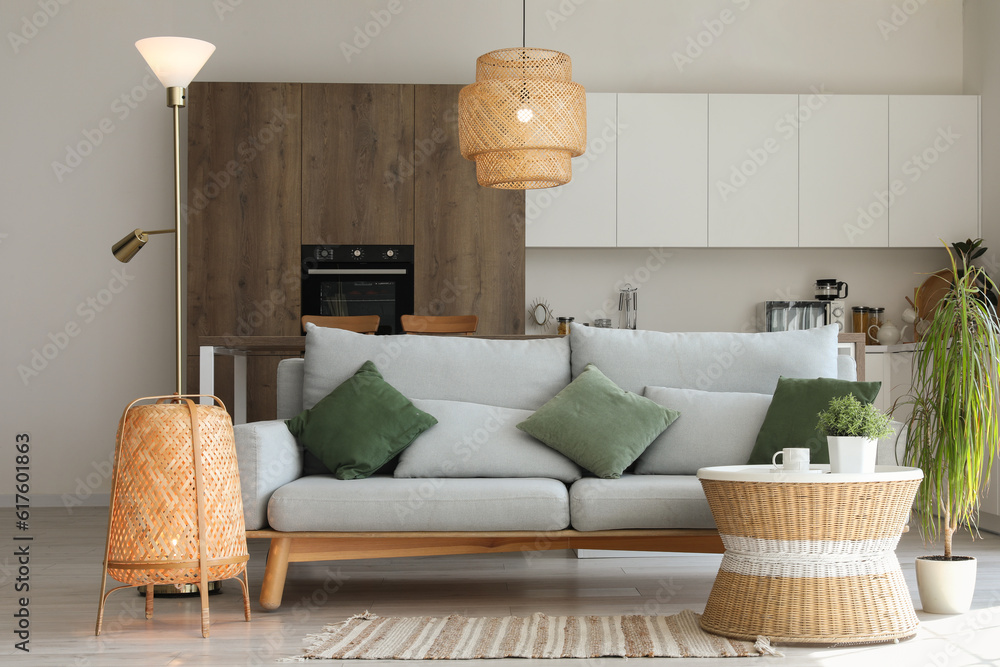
column 268, row 458
column 891, row 448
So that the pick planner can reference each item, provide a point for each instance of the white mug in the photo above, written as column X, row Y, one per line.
column 793, row 459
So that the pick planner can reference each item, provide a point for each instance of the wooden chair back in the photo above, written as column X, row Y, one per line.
column 459, row 325
column 365, row 324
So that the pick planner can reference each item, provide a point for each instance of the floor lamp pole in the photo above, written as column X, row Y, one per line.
column 176, row 99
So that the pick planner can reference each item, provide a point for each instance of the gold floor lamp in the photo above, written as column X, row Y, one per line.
column 176, row 514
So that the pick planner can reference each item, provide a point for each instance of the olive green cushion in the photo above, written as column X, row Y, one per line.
column 597, row 424
column 791, row 419
column 359, row 426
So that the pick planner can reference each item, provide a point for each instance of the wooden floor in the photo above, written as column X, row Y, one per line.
column 66, row 565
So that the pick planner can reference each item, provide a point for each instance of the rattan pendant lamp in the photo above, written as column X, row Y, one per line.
column 523, row 118
column 176, row 514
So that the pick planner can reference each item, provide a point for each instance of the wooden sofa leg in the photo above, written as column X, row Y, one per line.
column 274, row 574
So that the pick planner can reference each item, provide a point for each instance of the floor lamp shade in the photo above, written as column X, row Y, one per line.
column 523, row 119
column 176, row 514
column 175, row 60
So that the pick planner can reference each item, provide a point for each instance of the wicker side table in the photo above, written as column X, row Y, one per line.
column 810, row 557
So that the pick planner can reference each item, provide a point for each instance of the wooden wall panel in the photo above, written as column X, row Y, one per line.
column 468, row 240
column 357, row 161
column 244, row 209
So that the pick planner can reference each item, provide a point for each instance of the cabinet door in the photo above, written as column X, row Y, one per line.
column 753, row 171
column 933, row 169
column 582, row 212
column 468, row 240
column 843, row 171
column 358, row 157
column 662, row 163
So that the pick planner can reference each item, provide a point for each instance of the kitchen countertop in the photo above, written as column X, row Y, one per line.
column 898, row 347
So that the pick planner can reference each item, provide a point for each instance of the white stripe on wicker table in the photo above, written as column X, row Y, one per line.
column 836, row 548
column 757, row 557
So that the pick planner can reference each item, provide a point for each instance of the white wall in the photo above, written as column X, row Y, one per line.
column 75, row 71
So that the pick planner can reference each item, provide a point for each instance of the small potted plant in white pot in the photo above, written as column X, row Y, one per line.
column 954, row 428
column 852, row 430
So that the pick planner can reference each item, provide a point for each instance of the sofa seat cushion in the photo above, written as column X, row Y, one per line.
column 521, row 374
column 639, row 501
column 715, row 428
column 706, row 361
column 473, row 440
column 380, row 503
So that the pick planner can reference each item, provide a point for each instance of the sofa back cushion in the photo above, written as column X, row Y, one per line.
column 521, row 374
column 706, row 361
column 474, row 440
column 716, row 428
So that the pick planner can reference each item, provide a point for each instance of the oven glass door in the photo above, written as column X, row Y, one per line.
column 386, row 292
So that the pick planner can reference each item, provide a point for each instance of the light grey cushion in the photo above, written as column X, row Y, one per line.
column 473, row 440
column 521, row 374
column 290, row 374
column 847, row 368
column 324, row 503
column 746, row 362
column 716, row 428
column 639, row 501
column 268, row 457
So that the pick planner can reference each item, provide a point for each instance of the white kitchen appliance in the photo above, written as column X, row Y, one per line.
column 795, row 315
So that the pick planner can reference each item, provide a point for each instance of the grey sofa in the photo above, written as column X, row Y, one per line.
column 474, row 483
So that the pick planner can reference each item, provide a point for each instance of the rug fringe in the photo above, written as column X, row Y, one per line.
column 763, row 644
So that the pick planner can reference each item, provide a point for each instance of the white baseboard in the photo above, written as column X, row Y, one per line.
column 57, row 500
column 610, row 553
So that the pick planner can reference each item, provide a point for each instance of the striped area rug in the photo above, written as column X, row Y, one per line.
column 370, row 637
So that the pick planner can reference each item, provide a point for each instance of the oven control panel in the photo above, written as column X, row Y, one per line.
column 358, row 253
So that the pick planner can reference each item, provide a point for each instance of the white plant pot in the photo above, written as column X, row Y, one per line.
column 946, row 587
column 852, row 454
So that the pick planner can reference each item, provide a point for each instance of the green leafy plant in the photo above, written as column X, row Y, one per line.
column 953, row 431
column 847, row 416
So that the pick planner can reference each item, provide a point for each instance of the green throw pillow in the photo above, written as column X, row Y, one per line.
column 792, row 417
column 359, row 426
column 597, row 424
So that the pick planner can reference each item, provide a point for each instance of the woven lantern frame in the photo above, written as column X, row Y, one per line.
column 523, row 119
column 176, row 512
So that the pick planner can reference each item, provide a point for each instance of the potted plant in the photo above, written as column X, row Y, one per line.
column 953, row 430
column 852, row 430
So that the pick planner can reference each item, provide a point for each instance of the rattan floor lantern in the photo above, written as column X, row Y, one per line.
column 523, row 119
column 176, row 514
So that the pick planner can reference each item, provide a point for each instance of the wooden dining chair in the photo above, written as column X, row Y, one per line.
column 459, row 325
column 365, row 324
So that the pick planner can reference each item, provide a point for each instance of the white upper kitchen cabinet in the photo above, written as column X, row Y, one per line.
column 662, row 170
column 582, row 212
column 843, row 171
column 933, row 169
column 753, row 170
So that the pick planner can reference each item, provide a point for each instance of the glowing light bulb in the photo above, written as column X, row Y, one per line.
column 525, row 115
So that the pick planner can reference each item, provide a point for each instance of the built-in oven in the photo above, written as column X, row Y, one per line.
column 359, row 280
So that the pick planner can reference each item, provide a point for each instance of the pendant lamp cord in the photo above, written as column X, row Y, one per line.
column 524, row 19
